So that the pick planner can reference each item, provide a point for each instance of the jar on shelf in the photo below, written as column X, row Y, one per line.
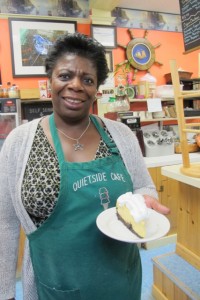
column 111, row 106
column 13, row 91
column 122, row 103
column 1, row 91
column 147, row 86
column 4, row 93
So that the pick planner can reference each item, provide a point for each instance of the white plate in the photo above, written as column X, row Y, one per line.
column 107, row 222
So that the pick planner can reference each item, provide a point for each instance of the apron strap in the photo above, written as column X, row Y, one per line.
column 56, row 139
column 111, row 145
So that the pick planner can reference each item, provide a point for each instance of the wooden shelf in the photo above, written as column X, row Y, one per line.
column 30, row 101
column 187, row 94
column 167, row 119
column 145, row 100
column 27, row 101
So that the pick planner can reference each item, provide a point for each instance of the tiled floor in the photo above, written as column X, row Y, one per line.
column 147, row 269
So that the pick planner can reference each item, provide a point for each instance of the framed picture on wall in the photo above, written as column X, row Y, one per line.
column 106, row 35
column 30, row 41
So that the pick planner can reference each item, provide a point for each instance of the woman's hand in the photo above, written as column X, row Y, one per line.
column 154, row 204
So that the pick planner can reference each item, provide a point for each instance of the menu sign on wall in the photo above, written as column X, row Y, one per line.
column 190, row 16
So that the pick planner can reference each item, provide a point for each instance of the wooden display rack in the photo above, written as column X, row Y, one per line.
column 184, row 128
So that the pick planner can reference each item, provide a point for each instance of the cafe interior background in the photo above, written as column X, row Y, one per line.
column 118, row 25
column 87, row 13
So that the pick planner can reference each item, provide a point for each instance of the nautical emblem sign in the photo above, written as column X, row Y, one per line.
column 140, row 52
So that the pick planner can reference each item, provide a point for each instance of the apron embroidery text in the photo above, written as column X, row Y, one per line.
column 98, row 177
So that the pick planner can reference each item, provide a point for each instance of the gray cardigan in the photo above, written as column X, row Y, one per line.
column 13, row 159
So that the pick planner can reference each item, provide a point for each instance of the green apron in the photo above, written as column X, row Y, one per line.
column 72, row 259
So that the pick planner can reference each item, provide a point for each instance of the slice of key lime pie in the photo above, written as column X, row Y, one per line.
column 133, row 212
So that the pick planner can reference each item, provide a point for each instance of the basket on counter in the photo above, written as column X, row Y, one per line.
column 182, row 75
column 191, row 148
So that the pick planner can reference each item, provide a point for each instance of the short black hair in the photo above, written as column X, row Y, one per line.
column 81, row 45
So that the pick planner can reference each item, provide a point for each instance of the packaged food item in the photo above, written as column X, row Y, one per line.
column 147, row 86
column 43, row 89
column 166, row 91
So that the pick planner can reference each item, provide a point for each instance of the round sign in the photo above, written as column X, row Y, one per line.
column 140, row 53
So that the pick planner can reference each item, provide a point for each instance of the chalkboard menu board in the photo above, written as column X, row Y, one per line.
column 190, row 16
column 32, row 111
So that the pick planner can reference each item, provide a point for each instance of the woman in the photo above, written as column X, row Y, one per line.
column 53, row 170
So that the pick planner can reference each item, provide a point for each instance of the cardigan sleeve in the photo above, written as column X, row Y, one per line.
column 9, row 231
column 131, row 153
column 142, row 181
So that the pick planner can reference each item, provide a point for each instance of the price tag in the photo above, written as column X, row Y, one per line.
column 154, row 104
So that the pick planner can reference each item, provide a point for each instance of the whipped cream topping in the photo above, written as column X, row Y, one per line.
column 136, row 205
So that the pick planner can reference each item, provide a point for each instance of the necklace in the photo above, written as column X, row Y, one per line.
column 78, row 145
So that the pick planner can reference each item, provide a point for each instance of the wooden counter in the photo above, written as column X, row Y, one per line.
column 188, row 227
column 169, row 160
column 168, row 192
column 166, row 284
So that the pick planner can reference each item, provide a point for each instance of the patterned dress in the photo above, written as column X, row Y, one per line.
column 41, row 181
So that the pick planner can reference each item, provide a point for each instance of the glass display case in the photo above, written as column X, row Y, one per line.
column 10, row 116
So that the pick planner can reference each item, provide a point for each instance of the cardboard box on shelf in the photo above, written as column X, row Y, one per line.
column 182, row 75
column 30, row 93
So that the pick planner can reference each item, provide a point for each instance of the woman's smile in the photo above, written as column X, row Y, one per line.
column 72, row 103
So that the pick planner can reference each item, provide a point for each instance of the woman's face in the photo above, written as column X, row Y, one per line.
column 74, row 85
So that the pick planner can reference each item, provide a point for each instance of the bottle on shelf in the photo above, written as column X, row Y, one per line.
column 5, row 93
column 1, row 91
column 147, row 86
column 111, row 106
column 13, row 91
